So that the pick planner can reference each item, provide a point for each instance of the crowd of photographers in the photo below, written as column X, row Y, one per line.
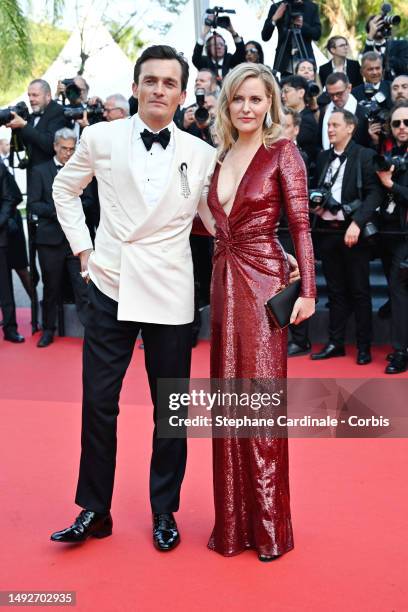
column 349, row 120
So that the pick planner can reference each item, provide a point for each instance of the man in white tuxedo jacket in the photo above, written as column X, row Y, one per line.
column 150, row 178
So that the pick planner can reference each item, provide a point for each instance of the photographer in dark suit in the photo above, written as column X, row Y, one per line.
column 37, row 134
column 53, row 248
column 339, row 48
column 8, row 307
column 306, row 19
column 394, row 218
column 345, row 199
column 218, row 60
column 372, row 70
column 394, row 51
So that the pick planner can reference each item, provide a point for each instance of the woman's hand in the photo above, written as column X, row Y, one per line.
column 303, row 309
column 294, row 273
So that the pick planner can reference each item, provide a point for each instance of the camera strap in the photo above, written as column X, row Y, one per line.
column 333, row 177
column 359, row 176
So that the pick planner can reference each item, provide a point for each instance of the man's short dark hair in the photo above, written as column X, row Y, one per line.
column 401, row 104
column 163, row 52
column 335, row 77
column 349, row 118
column 295, row 81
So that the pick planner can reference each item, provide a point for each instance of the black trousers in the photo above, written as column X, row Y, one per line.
column 347, row 273
column 7, row 303
column 394, row 249
column 107, row 351
column 54, row 259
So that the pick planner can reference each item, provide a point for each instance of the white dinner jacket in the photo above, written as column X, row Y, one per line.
column 142, row 257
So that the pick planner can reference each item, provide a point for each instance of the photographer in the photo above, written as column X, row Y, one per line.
column 393, row 215
column 218, row 60
column 300, row 15
column 347, row 194
column 81, row 110
column 199, row 118
column 378, row 130
column 374, row 86
column 294, row 96
column 394, row 52
column 37, row 132
column 206, row 80
column 339, row 48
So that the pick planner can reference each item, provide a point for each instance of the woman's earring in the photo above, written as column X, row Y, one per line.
column 268, row 121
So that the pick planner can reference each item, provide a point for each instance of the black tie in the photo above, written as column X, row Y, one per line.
column 59, row 167
column 149, row 138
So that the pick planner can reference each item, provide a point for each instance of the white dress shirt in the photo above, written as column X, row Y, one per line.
column 350, row 105
column 152, row 167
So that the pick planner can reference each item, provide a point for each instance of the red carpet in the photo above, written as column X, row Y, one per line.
column 349, row 504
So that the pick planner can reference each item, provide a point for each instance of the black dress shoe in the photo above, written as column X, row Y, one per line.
column 87, row 524
column 363, row 356
column 391, row 356
column 268, row 558
column 398, row 363
column 13, row 336
column 165, row 532
column 298, row 349
column 46, row 339
column 330, row 350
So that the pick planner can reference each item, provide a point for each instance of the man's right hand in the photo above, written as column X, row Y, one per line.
column 84, row 257
column 375, row 25
column 374, row 131
column 279, row 13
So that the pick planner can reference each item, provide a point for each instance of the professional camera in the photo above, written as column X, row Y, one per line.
column 389, row 20
column 313, row 89
column 77, row 112
column 295, row 8
column 383, row 163
column 72, row 91
column 20, row 109
column 222, row 22
column 322, row 197
column 201, row 115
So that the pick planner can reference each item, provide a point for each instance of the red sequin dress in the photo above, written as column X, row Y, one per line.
column 251, row 485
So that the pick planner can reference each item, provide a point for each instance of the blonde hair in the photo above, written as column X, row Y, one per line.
column 226, row 134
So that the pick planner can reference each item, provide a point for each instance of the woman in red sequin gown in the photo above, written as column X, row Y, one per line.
column 251, row 486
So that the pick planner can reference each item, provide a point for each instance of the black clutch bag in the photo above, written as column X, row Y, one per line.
column 280, row 306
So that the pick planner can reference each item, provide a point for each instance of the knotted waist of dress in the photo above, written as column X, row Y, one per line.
column 262, row 251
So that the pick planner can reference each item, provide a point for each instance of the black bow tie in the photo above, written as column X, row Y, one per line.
column 149, row 138
column 59, row 166
column 334, row 155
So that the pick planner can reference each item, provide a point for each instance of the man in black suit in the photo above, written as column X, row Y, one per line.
column 37, row 134
column 8, row 307
column 394, row 247
column 305, row 18
column 393, row 51
column 338, row 89
column 339, row 48
column 372, row 71
column 218, row 60
column 53, row 248
column 347, row 172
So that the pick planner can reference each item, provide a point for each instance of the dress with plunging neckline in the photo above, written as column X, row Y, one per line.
column 251, row 487
column 239, row 184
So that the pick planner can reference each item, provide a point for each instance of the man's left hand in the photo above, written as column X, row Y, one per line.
column 294, row 273
column 352, row 234
column 17, row 122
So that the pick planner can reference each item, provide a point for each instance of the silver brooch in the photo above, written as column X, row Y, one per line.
column 185, row 188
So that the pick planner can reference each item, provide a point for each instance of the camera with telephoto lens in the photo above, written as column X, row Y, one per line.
column 201, row 115
column 21, row 109
column 222, row 22
column 313, row 89
column 322, row 197
column 72, row 91
column 388, row 20
column 77, row 112
column 383, row 163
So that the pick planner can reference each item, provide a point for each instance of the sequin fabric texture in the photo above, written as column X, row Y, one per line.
column 251, row 484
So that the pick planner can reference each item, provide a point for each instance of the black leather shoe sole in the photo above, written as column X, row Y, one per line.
column 267, row 558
